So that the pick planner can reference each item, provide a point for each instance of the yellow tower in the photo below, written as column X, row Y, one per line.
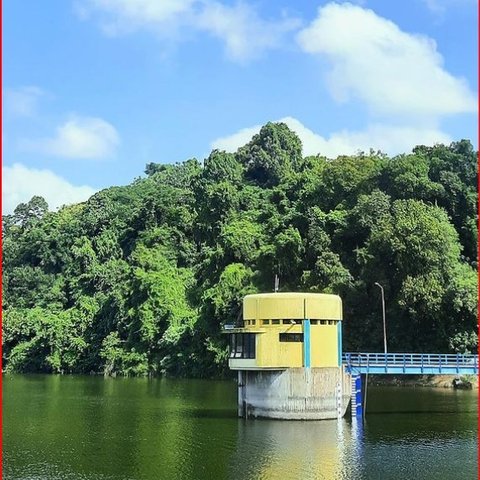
column 287, row 350
column 285, row 330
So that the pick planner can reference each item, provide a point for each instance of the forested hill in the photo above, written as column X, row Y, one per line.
column 139, row 279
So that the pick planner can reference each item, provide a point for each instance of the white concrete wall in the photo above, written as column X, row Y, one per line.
column 295, row 393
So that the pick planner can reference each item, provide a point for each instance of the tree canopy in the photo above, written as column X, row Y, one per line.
column 139, row 279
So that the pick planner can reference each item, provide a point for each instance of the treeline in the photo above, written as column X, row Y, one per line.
column 139, row 279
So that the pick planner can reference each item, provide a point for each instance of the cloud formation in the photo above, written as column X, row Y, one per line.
column 22, row 101
column 117, row 17
column 239, row 26
column 245, row 34
column 387, row 138
column 398, row 77
column 441, row 6
column 79, row 137
column 20, row 184
column 392, row 72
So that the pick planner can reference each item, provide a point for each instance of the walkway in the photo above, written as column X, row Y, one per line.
column 411, row 363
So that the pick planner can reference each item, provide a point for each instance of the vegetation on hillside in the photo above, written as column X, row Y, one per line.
column 139, row 279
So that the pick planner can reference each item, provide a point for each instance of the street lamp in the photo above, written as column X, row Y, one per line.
column 384, row 324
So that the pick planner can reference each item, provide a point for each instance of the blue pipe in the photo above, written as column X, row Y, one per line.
column 339, row 343
column 306, row 343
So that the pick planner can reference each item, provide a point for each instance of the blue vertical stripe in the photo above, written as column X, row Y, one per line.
column 339, row 342
column 306, row 343
column 359, row 396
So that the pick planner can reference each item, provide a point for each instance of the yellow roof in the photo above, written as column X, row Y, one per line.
column 292, row 305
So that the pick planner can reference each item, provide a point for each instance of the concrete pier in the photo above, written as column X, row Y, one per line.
column 294, row 393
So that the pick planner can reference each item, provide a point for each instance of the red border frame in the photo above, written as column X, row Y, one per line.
column 1, row 244
column 1, row 232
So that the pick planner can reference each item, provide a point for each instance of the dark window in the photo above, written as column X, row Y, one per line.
column 242, row 345
column 237, row 351
column 291, row 337
column 265, row 322
column 314, row 322
column 250, row 342
column 275, row 322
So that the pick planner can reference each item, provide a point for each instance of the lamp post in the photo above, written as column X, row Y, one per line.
column 384, row 324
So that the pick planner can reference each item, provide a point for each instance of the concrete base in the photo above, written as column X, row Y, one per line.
column 294, row 393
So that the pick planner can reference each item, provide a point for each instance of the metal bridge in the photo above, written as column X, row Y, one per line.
column 360, row 365
column 411, row 363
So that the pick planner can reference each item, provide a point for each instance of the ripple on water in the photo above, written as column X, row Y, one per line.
column 83, row 428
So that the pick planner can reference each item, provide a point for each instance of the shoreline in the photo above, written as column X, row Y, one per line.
column 435, row 381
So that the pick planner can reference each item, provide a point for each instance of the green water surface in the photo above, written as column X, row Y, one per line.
column 89, row 428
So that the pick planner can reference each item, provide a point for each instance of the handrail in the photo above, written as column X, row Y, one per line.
column 404, row 360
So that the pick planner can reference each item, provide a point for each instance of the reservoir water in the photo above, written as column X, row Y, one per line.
column 90, row 428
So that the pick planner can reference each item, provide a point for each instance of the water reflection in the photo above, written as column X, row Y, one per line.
column 85, row 428
column 354, row 461
column 272, row 449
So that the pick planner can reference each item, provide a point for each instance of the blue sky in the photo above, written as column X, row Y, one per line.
column 95, row 89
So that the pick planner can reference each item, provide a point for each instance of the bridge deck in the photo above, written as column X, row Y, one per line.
column 411, row 363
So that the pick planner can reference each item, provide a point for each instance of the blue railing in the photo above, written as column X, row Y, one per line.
column 411, row 363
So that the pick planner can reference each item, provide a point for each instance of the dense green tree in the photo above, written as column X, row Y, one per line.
column 27, row 213
column 345, row 178
column 416, row 254
column 407, row 176
column 140, row 279
column 271, row 155
column 221, row 166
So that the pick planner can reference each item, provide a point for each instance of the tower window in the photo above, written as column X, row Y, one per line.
column 291, row 337
column 242, row 345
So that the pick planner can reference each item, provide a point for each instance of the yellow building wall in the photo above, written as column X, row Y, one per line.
column 324, row 345
column 292, row 305
column 280, row 307
column 326, row 307
column 270, row 352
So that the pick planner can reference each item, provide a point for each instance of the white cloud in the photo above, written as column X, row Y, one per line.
column 20, row 184
column 441, row 6
column 22, row 101
column 386, row 138
column 244, row 33
column 231, row 143
column 391, row 71
column 389, row 139
column 124, row 16
column 79, row 137
column 436, row 6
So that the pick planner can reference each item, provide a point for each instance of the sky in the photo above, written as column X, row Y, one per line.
column 93, row 90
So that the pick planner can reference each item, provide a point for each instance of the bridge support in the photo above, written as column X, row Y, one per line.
column 357, row 395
